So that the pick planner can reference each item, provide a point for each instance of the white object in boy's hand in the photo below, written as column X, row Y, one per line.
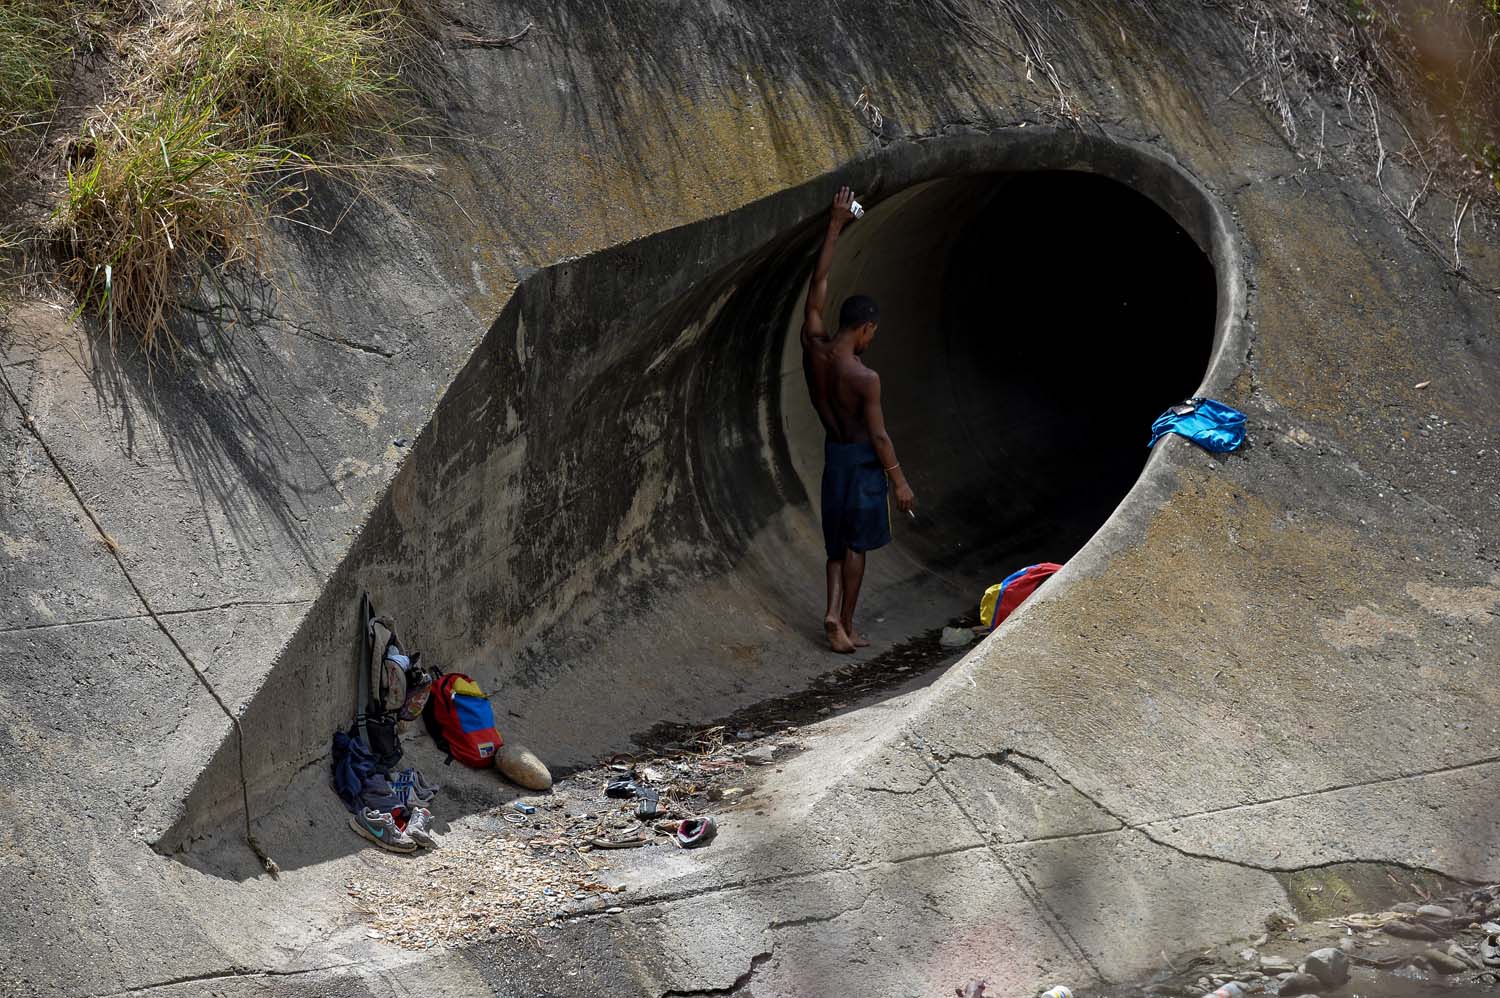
column 856, row 209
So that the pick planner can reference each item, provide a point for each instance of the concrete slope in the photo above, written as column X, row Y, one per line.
column 1266, row 662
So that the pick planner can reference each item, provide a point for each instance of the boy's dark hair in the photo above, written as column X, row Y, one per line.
column 858, row 310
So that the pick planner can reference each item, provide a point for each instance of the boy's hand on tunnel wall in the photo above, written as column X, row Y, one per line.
column 842, row 214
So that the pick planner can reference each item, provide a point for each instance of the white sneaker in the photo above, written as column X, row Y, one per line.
column 419, row 827
column 380, row 828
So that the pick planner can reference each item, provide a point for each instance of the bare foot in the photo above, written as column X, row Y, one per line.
column 837, row 639
column 855, row 638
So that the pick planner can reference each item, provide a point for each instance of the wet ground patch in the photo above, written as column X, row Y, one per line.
column 909, row 663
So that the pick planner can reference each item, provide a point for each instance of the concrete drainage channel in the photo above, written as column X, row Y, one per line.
column 607, row 519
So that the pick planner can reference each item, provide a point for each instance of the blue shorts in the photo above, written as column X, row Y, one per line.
column 855, row 514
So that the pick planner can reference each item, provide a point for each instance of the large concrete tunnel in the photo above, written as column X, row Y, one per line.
column 611, row 519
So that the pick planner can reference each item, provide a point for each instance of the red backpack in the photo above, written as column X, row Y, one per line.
column 459, row 719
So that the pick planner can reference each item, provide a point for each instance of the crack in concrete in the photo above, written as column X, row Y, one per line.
column 902, row 793
column 1024, row 884
column 784, row 878
column 291, row 326
column 114, row 551
column 1267, row 868
column 146, row 616
column 226, row 974
column 1357, row 784
column 759, row 958
column 739, row 982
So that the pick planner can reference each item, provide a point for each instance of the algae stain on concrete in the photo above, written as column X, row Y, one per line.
column 1347, row 888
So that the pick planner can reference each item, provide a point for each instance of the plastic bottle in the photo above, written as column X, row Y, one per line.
column 1058, row 992
column 1234, row 989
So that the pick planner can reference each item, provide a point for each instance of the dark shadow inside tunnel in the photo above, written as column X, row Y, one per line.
column 1074, row 312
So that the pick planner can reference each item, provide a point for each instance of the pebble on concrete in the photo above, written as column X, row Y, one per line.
column 1299, row 984
column 1444, row 963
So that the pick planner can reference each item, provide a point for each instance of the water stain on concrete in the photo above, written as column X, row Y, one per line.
column 1364, row 627
column 1476, row 604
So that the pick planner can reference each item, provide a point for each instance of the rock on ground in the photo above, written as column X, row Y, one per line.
column 1299, row 984
column 1329, row 965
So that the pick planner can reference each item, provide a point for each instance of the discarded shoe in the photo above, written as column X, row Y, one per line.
column 413, row 788
column 649, row 809
column 622, row 787
column 1489, row 950
column 695, row 832
column 419, row 827
column 380, row 828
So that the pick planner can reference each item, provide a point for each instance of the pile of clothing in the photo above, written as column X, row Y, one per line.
column 391, row 810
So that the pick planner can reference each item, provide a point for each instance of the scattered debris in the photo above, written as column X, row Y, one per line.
column 1439, row 938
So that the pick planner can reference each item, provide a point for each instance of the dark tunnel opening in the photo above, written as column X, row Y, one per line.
column 1033, row 325
column 1074, row 312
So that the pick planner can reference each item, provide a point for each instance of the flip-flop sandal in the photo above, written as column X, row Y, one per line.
column 695, row 832
column 627, row 840
column 650, row 806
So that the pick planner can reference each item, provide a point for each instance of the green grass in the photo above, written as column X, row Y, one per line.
column 315, row 73
column 217, row 110
column 35, row 43
column 167, row 198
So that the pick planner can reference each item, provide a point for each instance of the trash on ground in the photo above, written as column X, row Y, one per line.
column 956, row 637
column 1210, row 424
column 695, row 832
column 392, row 688
column 1422, row 947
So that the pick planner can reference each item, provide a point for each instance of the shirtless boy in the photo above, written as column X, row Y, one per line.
column 858, row 455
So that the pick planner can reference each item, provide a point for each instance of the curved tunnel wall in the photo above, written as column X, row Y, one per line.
column 606, row 521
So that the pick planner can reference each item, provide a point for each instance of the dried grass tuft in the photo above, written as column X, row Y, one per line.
column 222, row 102
column 166, row 199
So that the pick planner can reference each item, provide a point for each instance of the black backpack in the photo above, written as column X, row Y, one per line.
column 392, row 686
